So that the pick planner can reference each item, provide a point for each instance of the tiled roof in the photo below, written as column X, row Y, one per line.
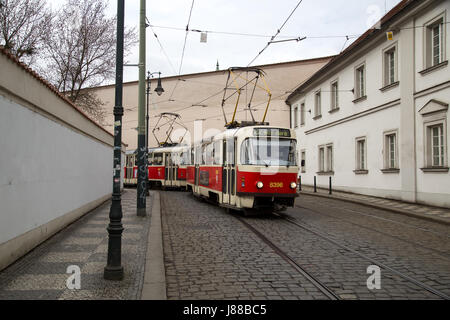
column 50, row 87
column 367, row 36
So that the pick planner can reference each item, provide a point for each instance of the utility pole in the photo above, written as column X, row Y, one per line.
column 114, row 269
column 142, row 152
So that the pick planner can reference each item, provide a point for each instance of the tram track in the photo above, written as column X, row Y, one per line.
column 381, row 219
column 340, row 219
column 314, row 280
column 402, row 275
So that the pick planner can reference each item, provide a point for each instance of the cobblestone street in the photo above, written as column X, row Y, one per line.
column 210, row 254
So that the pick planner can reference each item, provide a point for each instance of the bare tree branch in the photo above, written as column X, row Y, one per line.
column 79, row 52
column 22, row 23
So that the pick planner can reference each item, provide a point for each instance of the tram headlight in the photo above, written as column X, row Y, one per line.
column 293, row 185
column 259, row 185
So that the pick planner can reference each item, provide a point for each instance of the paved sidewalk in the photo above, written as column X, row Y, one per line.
column 441, row 215
column 41, row 274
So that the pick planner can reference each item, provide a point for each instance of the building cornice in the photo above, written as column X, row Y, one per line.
column 354, row 116
column 201, row 74
column 369, row 38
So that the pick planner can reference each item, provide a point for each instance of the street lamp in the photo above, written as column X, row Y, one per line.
column 114, row 269
column 159, row 90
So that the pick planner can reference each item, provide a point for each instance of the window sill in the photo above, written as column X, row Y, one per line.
column 334, row 110
column 392, row 170
column 317, row 117
column 325, row 173
column 434, row 169
column 433, row 68
column 361, row 171
column 390, row 86
column 360, row 99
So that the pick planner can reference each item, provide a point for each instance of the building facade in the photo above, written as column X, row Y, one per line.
column 375, row 118
column 197, row 98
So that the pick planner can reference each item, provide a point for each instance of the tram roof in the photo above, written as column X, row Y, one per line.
column 245, row 131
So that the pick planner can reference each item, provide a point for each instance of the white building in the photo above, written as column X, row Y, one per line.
column 375, row 118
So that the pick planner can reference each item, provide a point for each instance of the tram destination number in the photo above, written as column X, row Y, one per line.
column 229, row 310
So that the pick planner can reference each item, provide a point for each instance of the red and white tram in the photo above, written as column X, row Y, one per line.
column 167, row 166
column 130, row 169
column 243, row 168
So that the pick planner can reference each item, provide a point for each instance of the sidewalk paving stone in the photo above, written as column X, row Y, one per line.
column 41, row 274
column 418, row 210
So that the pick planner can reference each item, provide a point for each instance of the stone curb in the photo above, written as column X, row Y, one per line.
column 395, row 210
column 154, row 287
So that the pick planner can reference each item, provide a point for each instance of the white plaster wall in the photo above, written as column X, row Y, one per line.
column 441, row 75
column 346, row 76
column 343, row 138
column 432, row 187
column 46, row 170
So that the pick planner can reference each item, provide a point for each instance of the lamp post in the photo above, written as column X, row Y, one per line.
column 159, row 90
column 141, row 156
column 114, row 269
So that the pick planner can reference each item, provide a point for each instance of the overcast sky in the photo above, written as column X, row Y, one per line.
column 313, row 18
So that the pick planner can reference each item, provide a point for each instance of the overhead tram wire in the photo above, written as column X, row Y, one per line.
column 184, row 48
column 162, row 48
column 277, row 33
column 257, row 35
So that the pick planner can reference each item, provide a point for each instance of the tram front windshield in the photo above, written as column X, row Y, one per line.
column 268, row 152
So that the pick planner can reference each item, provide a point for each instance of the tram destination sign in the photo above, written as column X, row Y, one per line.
column 272, row 132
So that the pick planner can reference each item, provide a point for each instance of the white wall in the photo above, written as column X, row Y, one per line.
column 46, row 170
column 56, row 164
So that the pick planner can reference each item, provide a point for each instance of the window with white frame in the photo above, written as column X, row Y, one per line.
column 321, row 159
column 329, row 157
column 434, row 42
column 326, row 158
column 436, row 145
column 360, row 75
column 361, row 154
column 390, row 66
column 303, row 161
column 302, row 114
column 390, row 150
column 334, row 95
column 296, row 116
column 318, row 104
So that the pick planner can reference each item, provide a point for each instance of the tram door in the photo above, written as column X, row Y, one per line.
column 229, row 172
column 168, row 168
column 197, row 158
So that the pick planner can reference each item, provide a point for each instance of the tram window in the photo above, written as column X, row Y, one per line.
column 209, row 154
column 157, row 159
column 186, row 157
column 150, row 159
column 217, row 153
column 192, row 156
column 230, row 151
column 280, row 152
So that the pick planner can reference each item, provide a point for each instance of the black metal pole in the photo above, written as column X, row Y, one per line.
column 141, row 156
column 300, row 183
column 315, row 184
column 146, row 134
column 114, row 269
column 330, row 185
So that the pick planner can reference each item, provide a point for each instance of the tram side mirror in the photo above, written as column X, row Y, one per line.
column 303, row 163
